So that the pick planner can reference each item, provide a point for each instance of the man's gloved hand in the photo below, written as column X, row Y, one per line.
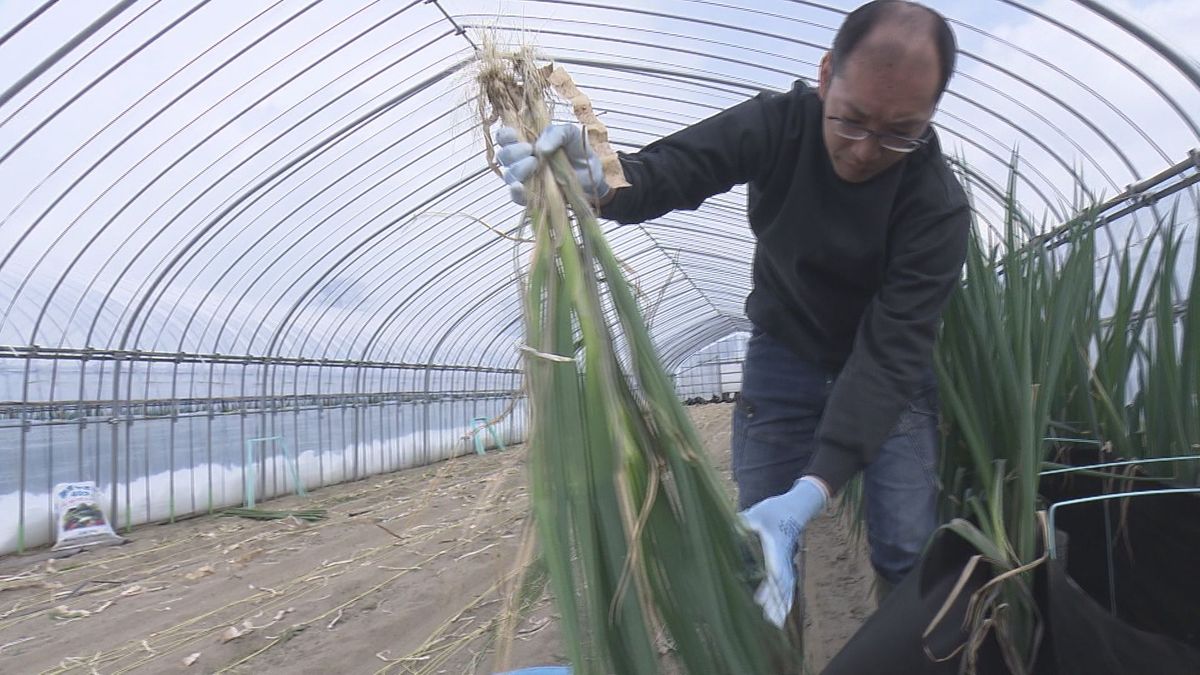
column 779, row 521
column 520, row 160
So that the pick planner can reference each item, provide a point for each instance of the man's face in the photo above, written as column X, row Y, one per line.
column 894, row 96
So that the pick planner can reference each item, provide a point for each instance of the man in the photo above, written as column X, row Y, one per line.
column 861, row 232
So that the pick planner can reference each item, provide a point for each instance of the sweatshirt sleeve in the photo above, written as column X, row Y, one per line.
column 682, row 170
column 893, row 347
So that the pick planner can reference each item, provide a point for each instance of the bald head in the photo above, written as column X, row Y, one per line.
column 890, row 34
column 881, row 84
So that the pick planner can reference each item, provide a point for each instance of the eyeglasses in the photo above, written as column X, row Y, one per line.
column 856, row 132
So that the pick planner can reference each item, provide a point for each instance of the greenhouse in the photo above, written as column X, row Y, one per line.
column 260, row 276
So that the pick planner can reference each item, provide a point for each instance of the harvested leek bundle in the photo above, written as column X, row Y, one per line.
column 637, row 534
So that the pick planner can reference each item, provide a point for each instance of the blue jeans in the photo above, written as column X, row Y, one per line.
column 775, row 420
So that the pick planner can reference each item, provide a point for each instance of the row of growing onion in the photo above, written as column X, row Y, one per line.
column 1030, row 363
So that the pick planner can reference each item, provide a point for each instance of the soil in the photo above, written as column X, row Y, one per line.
column 408, row 573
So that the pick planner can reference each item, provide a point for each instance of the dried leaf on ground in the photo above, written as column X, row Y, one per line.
column 62, row 612
column 200, row 573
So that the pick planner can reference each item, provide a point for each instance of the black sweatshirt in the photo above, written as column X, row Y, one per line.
column 851, row 276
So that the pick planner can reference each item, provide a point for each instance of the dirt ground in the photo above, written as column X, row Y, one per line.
column 407, row 574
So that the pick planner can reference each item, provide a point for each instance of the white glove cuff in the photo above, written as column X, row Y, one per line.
column 820, row 485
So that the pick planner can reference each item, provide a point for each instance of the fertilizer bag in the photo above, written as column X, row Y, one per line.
column 80, row 518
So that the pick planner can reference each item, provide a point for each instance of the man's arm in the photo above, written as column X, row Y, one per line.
column 893, row 348
column 682, row 170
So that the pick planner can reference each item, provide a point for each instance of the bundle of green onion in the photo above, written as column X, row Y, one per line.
column 637, row 534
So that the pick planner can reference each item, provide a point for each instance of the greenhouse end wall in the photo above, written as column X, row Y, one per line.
column 162, row 458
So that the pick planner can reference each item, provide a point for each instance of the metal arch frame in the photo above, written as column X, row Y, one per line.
column 385, row 299
column 720, row 314
column 13, row 249
column 111, row 69
column 61, row 164
column 222, row 276
column 335, row 268
column 1074, row 80
column 675, row 50
column 446, row 72
column 125, row 139
column 941, row 125
column 1052, row 153
column 313, row 150
column 490, row 24
column 262, row 183
column 26, row 21
column 1112, row 145
column 402, row 329
column 678, row 17
column 146, row 297
column 285, row 253
column 1082, row 118
column 266, row 184
column 76, row 63
column 442, row 321
column 1095, row 7
column 308, row 294
column 1181, row 63
column 277, row 371
column 407, row 217
column 460, row 333
column 383, row 296
column 685, row 274
column 62, row 51
column 458, row 258
column 700, row 336
column 1143, row 36
column 268, row 382
column 963, row 137
column 687, row 375
column 120, row 115
column 260, row 196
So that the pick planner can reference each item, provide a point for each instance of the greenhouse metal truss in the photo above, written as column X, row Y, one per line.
column 229, row 222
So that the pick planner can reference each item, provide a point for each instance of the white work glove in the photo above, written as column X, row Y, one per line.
column 520, row 160
column 779, row 521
